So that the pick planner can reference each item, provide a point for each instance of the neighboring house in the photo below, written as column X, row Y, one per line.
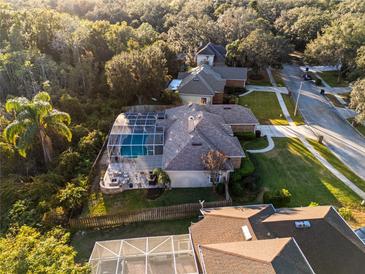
column 262, row 239
column 257, row 239
column 211, row 54
column 205, row 84
column 174, row 140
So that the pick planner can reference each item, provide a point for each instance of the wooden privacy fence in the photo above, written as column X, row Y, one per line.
column 148, row 214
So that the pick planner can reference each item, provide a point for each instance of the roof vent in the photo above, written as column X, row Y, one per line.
column 227, row 108
column 195, row 144
column 196, row 79
column 302, row 224
column 191, row 124
column 246, row 233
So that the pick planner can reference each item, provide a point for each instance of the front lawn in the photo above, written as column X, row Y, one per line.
column 331, row 78
column 265, row 106
column 84, row 242
column 290, row 165
column 101, row 204
column 336, row 163
column 254, row 144
column 298, row 119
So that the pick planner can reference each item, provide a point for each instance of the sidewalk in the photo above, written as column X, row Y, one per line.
column 303, row 132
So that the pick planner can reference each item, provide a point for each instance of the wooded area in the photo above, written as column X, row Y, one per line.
column 93, row 57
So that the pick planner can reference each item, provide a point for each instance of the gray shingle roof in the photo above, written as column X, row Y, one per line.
column 231, row 73
column 207, row 80
column 211, row 132
column 202, row 80
column 218, row 51
column 233, row 114
column 329, row 244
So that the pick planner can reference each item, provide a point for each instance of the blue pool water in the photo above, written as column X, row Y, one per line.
column 134, row 146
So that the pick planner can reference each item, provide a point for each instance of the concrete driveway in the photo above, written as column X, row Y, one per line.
column 339, row 136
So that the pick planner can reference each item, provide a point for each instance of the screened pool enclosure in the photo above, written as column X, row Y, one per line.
column 163, row 254
column 136, row 134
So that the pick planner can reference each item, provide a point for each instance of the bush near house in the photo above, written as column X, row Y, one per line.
column 346, row 213
column 278, row 198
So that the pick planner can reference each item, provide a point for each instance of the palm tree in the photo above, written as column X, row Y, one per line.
column 35, row 119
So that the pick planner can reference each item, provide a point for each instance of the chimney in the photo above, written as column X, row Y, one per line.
column 191, row 124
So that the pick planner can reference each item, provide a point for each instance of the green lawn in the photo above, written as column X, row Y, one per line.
column 84, row 244
column 334, row 161
column 331, row 78
column 101, row 204
column 278, row 78
column 298, row 119
column 265, row 106
column 257, row 143
column 290, row 165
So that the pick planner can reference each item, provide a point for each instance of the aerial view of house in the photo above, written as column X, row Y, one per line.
column 174, row 140
column 182, row 136
column 245, row 239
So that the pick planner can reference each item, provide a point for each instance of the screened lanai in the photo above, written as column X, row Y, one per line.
column 136, row 134
column 150, row 255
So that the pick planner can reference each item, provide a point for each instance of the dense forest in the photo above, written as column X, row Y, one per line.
column 75, row 64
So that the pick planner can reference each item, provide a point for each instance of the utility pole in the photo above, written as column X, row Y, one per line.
column 296, row 104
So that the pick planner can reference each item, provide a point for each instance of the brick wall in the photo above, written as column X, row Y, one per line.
column 235, row 83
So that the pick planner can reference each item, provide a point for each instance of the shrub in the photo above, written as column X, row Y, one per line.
column 73, row 107
column 53, row 217
column 346, row 213
column 318, row 82
column 246, row 135
column 9, row 159
column 236, row 189
column 90, row 145
column 170, row 98
column 247, row 167
column 278, row 198
column 313, row 204
column 78, row 132
column 22, row 213
column 68, row 163
column 229, row 99
column 250, row 182
column 220, row 188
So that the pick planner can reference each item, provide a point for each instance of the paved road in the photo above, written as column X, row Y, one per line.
column 339, row 136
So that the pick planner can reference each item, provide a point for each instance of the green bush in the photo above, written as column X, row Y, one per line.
column 318, row 82
column 312, row 204
column 170, row 98
column 90, row 145
column 250, row 182
column 236, row 189
column 220, row 188
column 346, row 213
column 279, row 198
column 247, row 167
column 68, row 163
column 246, row 136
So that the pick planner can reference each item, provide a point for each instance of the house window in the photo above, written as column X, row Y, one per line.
column 203, row 101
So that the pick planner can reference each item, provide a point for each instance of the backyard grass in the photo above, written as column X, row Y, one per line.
column 260, row 80
column 336, row 163
column 102, row 204
column 265, row 106
column 84, row 243
column 331, row 78
column 290, row 165
column 278, row 79
column 298, row 119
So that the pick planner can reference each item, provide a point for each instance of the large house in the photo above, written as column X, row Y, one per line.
column 257, row 239
column 174, row 140
column 205, row 84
